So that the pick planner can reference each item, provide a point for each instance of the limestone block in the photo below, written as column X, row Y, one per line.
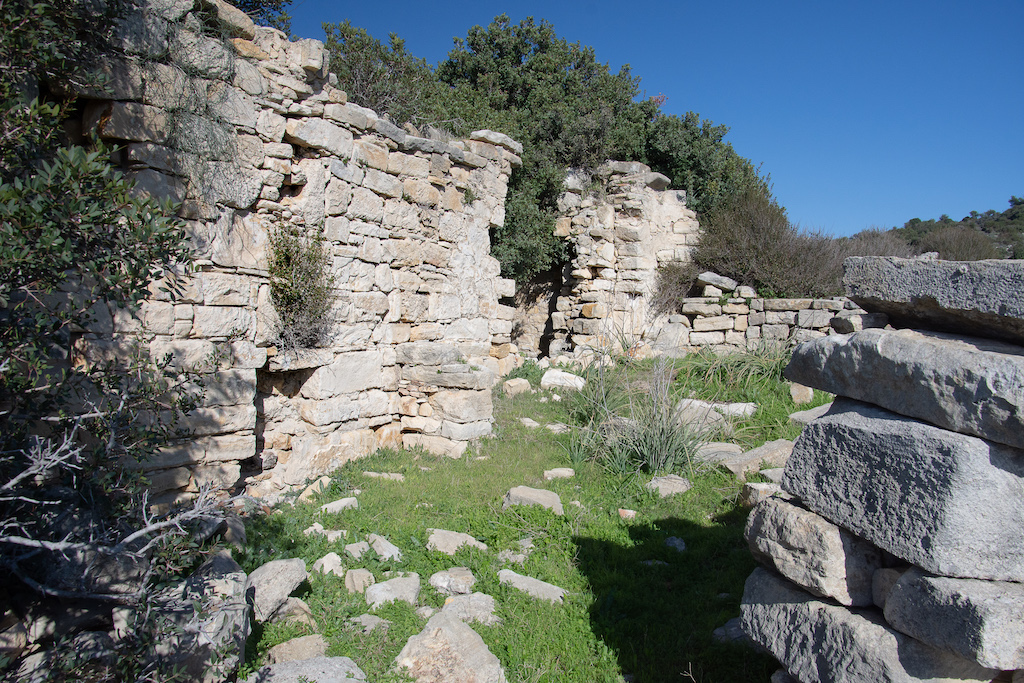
column 272, row 583
column 228, row 104
column 220, row 419
column 721, row 322
column 270, row 125
column 559, row 379
column 371, row 154
column 167, row 480
column 780, row 317
column 726, row 284
column 979, row 620
column 382, row 183
column 449, row 543
column 812, row 552
column 427, row 353
column 421, row 192
column 437, row 445
column 307, row 54
column 226, row 289
column 458, row 376
column 462, row 406
column 542, row 590
column 449, row 650
column 127, row 121
column 980, row 296
column 350, row 373
column 808, row 319
column 465, row 432
column 340, row 669
column 702, row 308
column 366, row 205
column 773, row 453
column 222, row 475
column 197, row 53
column 780, row 332
column 320, row 134
column 706, row 338
column 207, row 449
column 791, row 305
column 964, row 384
column 525, row 495
column 849, row 321
column 221, row 321
column 226, row 183
column 944, row 501
column 820, row 642
column 499, row 139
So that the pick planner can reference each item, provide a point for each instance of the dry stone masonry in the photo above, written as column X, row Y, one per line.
column 250, row 132
column 895, row 551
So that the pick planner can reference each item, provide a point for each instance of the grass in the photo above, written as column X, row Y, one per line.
column 635, row 607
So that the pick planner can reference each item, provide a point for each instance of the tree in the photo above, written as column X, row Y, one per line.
column 267, row 12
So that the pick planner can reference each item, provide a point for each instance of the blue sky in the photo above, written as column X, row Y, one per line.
column 864, row 113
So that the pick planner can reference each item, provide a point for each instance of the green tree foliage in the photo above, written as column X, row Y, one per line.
column 301, row 287
column 267, row 12
column 980, row 235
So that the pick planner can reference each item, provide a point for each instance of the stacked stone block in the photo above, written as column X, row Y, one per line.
column 248, row 132
column 896, row 553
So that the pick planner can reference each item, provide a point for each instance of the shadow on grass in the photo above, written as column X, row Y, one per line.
column 656, row 607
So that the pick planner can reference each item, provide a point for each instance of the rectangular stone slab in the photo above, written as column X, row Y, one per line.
column 979, row 620
column 980, row 298
column 947, row 502
column 820, row 642
column 965, row 384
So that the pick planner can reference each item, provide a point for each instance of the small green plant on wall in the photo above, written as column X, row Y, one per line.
column 301, row 287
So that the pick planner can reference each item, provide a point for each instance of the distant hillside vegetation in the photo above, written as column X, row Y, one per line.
column 989, row 234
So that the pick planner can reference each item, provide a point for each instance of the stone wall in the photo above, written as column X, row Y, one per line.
column 894, row 552
column 248, row 131
column 622, row 225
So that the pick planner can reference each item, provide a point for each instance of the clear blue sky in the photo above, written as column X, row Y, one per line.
column 864, row 113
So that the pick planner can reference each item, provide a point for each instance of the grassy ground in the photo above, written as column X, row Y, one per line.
column 636, row 607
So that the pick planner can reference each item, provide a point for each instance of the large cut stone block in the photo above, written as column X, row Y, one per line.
column 980, row 620
column 944, row 501
column 965, row 384
column 819, row 642
column 348, row 374
column 812, row 552
column 980, row 296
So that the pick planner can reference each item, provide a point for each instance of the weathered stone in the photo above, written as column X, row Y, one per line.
column 475, row 607
column 699, row 417
column 320, row 134
column 559, row 379
column 524, row 495
column 848, row 321
column 944, row 501
column 197, row 53
column 774, row 453
column 800, row 394
column 812, row 552
column 358, row 580
column 336, row 506
column 333, row 669
column 449, row 650
column 298, row 649
column 462, row 406
column 559, row 473
column 980, row 296
column 804, row 417
column 403, row 588
column 385, row 549
column 330, row 564
column 454, row 581
column 669, row 485
column 349, row 373
column 531, row 586
column 514, row 387
column 979, row 620
column 969, row 385
column 273, row 582
column 755, row 492
column 427, row 353
column 368, row 623
column 724, row 283
column 449, row 542
column 820, row 642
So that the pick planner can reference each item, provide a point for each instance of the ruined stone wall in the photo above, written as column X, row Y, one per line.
column 247, row 130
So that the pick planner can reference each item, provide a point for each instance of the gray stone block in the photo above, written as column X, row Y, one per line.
column 980, row 620
column 981, row 296
column 969, row 385
column 944, row 501
column 812, row 552
column 820, row 642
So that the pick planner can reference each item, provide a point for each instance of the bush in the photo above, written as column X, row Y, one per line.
column 960, row 243
column 301, row 287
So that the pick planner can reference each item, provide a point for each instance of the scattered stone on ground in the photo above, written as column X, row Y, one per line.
column 475, row 607
column 773, row 474
column 358, row 580
column 805, row 417
column 626, row 513
column 812, row 552
column 367, row 623
column 295, row 610
column 314, row 489
column 531, row 586
column 754, row 492
column 736, row 409
column 449, row 650
column 387, row 476
column 454, row 581
column 528, row 423
column 449, row 542
column 303, row 647
column 320, row 669
column 273, row 582
column 425, row 612
column 717, row 450
column 800, row 394
column 676, row 543
column 774, row 453
column 518, row 557
column 557, row 428
column 669, row 485
column 559, row 379
column 524, row 495
column 331, row 535
column 700, row 417
column 385, row 549
column 403, row 588
column 357, row 549
column 336, row 506
column 330, row 564
column 560, row 473
column 514, row 387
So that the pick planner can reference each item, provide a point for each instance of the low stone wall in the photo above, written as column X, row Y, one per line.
column 248, row 133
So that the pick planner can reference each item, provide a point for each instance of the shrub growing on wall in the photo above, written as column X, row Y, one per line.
column 301, row 287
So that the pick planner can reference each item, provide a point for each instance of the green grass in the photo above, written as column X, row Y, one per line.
column 653, row 622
